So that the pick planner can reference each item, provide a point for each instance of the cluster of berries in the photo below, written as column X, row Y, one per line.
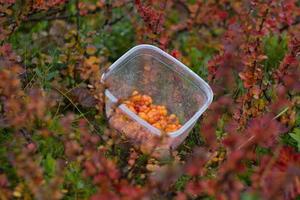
column 156, row 115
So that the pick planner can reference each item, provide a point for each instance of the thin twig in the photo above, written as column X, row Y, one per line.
column 26, row 135
column 70, row 100
column 246, row 142
column 281, row 113
column 253, row 136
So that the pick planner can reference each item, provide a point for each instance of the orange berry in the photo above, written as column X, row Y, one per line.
column 136, row 98
column 168, row 130
column 143, row 116
column 173, row 119
column 156, row 115
column 163, row 123
column 147, row 103
column 171, row 127
column 163, row 112
column 172, row 116
column 144, row 97
column 143, row 108
column 153, row 119
column 135, row 93
column 152, row 112
column 131, row 108
column 147, row 110
column 157, row 125
column 127, row 102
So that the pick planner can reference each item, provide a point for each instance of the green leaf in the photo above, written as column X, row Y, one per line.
column 49, row 164
column 77, row 186
column 296, row 136
column 181, row 182
column 39, row 72
column 50, row 145
column 249, row 196
column 51, row 75
column 275, row 49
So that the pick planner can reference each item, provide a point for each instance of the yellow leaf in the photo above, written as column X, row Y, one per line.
column 92, row 60
column 17, row 194
column 91, row 50
column 262, row 57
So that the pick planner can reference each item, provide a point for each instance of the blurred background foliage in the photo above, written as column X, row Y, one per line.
column 54, row 139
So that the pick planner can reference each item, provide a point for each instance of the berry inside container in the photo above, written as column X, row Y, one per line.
column 167, row 86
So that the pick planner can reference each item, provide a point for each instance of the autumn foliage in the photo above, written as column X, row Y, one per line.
column 55, row 141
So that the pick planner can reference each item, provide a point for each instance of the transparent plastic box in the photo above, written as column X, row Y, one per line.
column 149, row 70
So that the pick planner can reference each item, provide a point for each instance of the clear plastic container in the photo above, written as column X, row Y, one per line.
column 151, row 71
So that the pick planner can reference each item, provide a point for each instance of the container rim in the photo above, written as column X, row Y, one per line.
column 205, row 88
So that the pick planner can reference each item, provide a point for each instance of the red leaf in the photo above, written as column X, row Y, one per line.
column 287, row 157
